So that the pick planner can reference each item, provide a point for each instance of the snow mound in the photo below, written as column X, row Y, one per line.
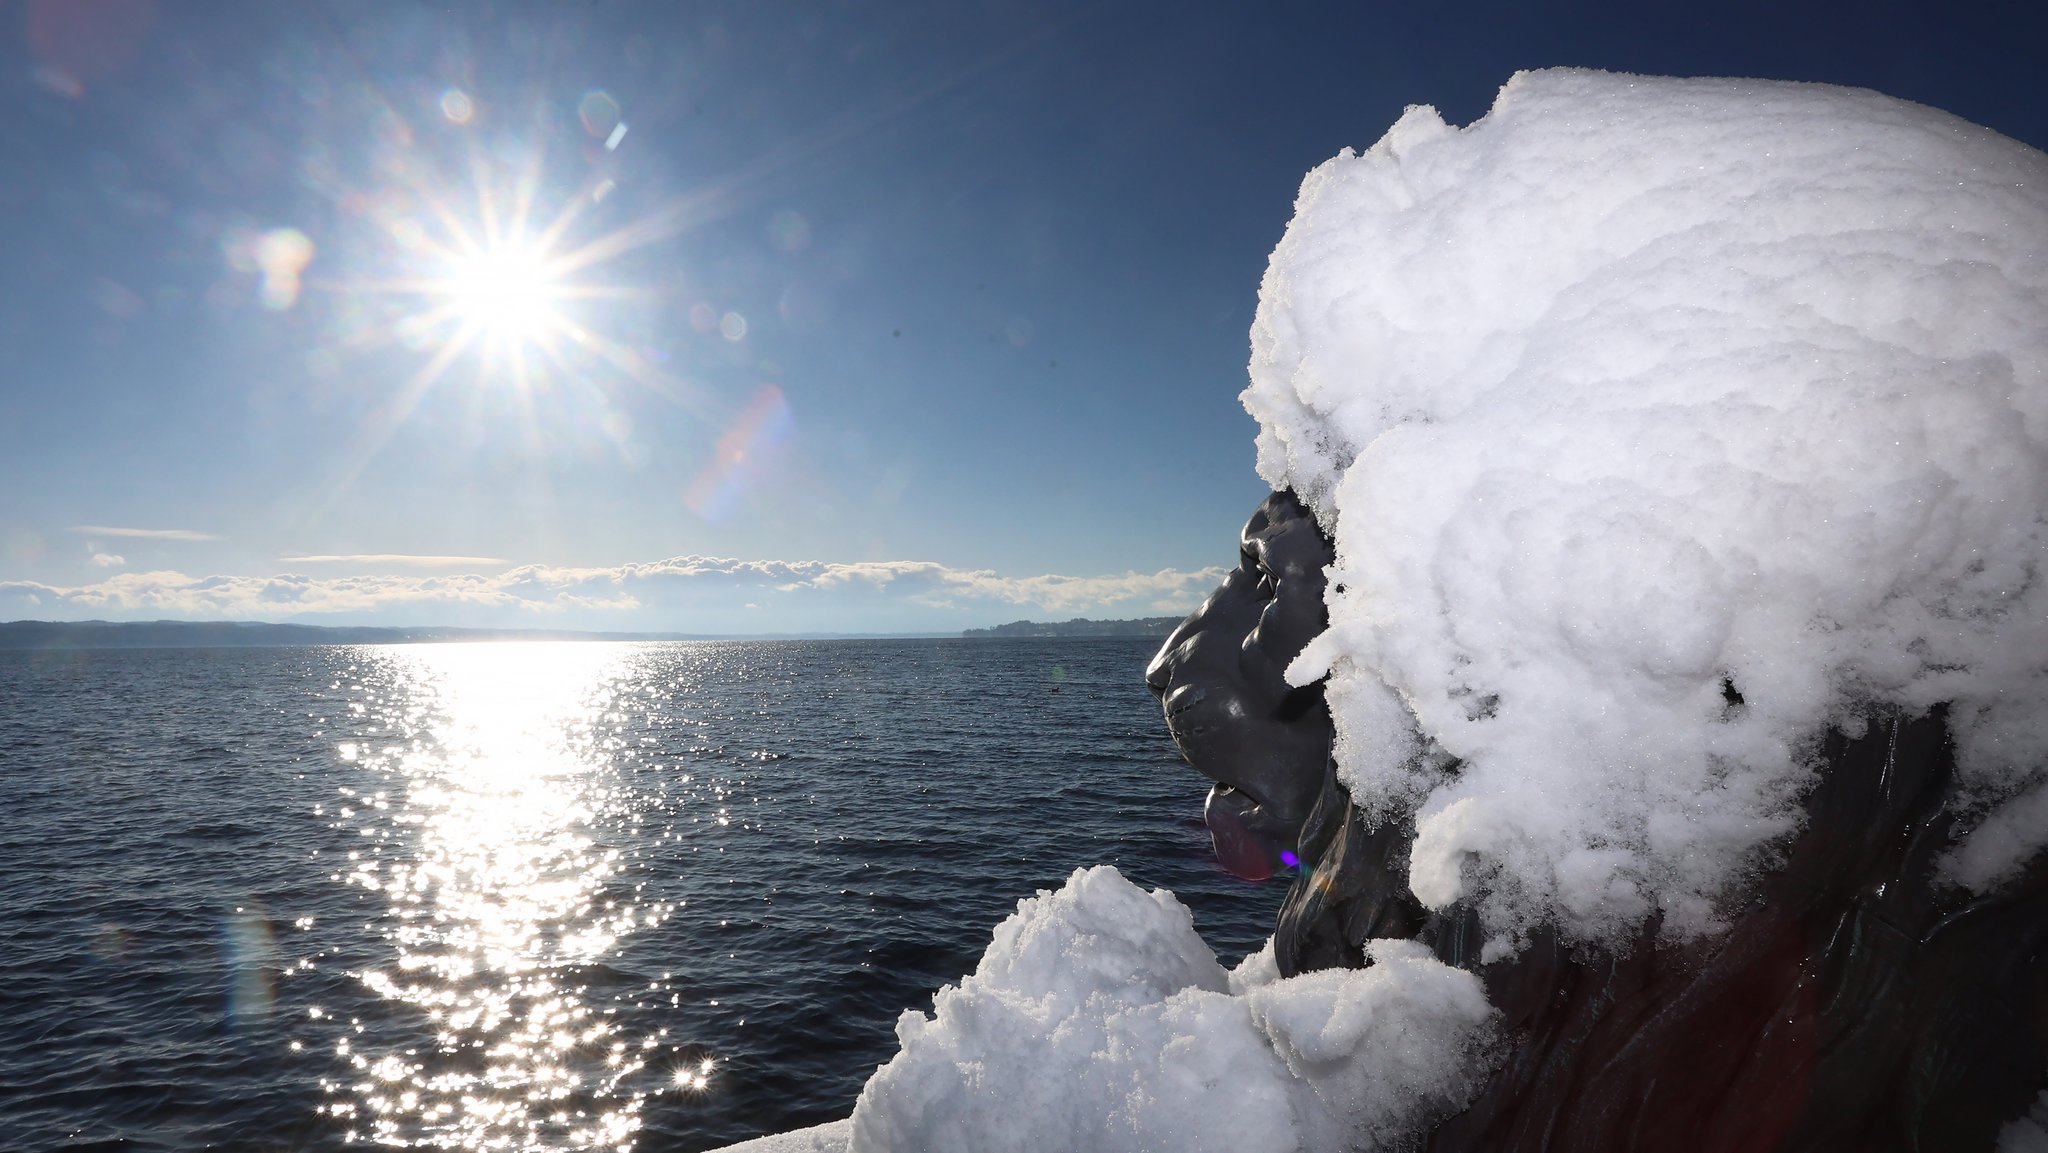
column 1637, row 395
column 1098, row 1020
column 2029, row 1133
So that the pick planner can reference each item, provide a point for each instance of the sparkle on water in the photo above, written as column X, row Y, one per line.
column 526, row 897
column 495, row 910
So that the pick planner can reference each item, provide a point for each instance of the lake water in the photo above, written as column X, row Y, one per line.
column 539, row 896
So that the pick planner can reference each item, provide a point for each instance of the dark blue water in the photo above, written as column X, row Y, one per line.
column 566, row 896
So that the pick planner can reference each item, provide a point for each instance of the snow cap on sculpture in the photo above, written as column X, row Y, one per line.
column 1660, row 425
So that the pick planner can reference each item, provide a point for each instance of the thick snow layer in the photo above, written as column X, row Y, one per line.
column 2028, row 1134
column 1637, row 388
column 1098, row 1020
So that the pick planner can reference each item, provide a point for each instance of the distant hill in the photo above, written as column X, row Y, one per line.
column 1078, row 627
column 239, row 634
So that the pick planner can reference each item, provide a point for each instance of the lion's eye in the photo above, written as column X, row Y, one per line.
column 1267, row 588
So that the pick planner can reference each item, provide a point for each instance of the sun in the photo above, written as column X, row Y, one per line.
column 505, row 274
column 507, row 295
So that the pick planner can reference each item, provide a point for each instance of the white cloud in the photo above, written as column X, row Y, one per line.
column 142, row 533
column 416, row 560
column 644, row 595
column 108, row 560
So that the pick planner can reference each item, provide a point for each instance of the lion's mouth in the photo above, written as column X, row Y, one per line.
column 1250, row 839
column 1238, row 830
column 1178, row 702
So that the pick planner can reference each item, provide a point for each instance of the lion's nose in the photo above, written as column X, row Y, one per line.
column 1159, row 673
column 1175, row 649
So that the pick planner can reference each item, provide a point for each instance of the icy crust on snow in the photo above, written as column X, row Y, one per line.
column 1097, row 1019
column 1635, row 389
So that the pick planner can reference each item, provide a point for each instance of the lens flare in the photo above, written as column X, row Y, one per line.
column 279, row 257
column 457, row 106
column 250, row 956
column 743, row 453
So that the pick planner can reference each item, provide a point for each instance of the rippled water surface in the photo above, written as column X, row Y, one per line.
column 549, row 896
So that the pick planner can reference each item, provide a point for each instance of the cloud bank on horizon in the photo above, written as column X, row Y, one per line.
column 688, row 593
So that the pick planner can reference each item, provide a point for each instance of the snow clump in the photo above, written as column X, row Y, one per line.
column 1097, row 1019
column 1660, row 425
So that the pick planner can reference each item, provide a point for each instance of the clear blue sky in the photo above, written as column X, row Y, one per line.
column 873, row 317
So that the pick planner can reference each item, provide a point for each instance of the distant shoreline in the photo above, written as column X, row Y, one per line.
column 1081, row 627
column 71, row 635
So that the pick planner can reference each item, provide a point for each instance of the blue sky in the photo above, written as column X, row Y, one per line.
column 849, row 317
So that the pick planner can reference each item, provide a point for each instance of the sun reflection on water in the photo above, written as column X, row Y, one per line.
column 500, row 914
